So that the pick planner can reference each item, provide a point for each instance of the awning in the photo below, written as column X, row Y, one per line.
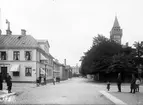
column 42, row 71
column 15, row 68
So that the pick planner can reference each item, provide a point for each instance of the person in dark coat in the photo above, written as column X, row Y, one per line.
column 1, row 81
column 133, row 85
column 119, row 81
column 9, row 83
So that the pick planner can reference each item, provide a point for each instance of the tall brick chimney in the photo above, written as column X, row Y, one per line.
column 23, row 32
column 65, row 62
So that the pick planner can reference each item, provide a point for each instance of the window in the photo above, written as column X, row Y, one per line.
column 3, row 55
column 16, row 55
column 28, row 71
column 16, row 73
column 27, row 55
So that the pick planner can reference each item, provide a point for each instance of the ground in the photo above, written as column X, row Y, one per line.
column 73, row 91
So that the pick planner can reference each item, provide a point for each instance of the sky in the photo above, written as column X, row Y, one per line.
column 70, row 25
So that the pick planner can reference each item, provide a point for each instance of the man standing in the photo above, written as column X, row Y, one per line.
column 54, row 80
column 1, row 82
column 119, row 81
column 133, row 87
column 9, row 83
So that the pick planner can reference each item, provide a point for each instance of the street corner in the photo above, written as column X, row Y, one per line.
column 112, row 98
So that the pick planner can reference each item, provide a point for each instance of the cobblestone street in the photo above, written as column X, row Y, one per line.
column 74, row 91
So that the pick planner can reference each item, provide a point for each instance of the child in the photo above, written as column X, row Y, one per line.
column 37, row 81
column 108, row 85
column 137, row 84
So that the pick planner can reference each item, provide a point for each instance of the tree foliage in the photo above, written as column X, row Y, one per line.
column 107, row 56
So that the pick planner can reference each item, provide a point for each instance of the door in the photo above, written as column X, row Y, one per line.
column 4, row 72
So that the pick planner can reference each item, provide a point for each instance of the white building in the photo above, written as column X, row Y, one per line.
column 24, row 58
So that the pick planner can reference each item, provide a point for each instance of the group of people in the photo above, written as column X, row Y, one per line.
column 8, row 80
column 134, row 85
column 39, row 79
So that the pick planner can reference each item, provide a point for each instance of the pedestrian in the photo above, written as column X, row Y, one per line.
column 9, row 82
column 137, row 84
column 119, row 81
column 40, row 79
column 1, row 81
column 133, row 85
column 108, row 85
column 54, row 80
column 37, row 81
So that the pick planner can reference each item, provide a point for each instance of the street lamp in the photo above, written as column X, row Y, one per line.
column 45, row 75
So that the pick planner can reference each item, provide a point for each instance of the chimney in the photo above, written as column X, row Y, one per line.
column 127, row 44
column 23, row 32
column 8, row 32
column 65, row 62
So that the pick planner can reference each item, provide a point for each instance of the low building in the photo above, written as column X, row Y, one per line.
column 56, row 72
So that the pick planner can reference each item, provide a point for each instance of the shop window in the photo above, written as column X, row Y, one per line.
column 28, row 55
column 3, row 55
column 28, row 71
column 16, row 55
column 16, row 73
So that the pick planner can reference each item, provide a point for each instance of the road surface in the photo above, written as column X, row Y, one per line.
column 73, row 91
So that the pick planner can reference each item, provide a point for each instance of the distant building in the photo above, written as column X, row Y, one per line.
column 46, row 60
column 24, row 58
column 56, row 72
column 75, row 69
column 116, row 32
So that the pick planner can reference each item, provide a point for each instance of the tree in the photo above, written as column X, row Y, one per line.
column 99, row 57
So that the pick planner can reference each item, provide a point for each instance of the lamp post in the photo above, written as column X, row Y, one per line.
column 45, row 75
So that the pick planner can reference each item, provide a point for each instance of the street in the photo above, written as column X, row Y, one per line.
column 73, row 91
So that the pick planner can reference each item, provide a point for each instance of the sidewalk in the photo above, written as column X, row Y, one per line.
column 125, row 96
column 17, row 89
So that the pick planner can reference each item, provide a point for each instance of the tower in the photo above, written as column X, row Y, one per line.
column 116, row 32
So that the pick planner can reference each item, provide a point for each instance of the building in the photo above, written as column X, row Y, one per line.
column 46, row 60
column 75, row 69
column 116, row 32
column 68, row 71
column 56, row 64
column 24, row 58
column 63, row 72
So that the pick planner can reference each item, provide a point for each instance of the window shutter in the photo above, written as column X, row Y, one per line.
column 6, row 55
column 0, row 55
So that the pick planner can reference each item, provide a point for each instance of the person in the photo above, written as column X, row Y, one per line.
column 37, row 82
column 54, row 80
column 9, row 82
column 1, row 82
column 137, row 84
column 108, row 85
column 119, row 81
column 132, row 86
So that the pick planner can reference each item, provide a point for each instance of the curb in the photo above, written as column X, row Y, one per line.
column 112, row 98
column 6, row 96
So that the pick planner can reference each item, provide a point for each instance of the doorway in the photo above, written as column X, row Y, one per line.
column 4, row 72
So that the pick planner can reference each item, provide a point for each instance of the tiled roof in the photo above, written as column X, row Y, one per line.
column 18, row 41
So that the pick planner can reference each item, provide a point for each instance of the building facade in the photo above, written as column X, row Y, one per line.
column 22, row 57
column 56, row 72
column 116, row 32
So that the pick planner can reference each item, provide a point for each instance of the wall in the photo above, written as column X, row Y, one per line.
column 23, row 63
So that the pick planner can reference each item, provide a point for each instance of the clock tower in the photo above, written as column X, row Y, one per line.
column 116, row 32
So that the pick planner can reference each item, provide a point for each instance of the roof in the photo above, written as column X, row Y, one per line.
column 18, row 41
column 43, row 42
column 116, row 23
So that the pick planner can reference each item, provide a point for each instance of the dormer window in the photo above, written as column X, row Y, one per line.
column 28, row 55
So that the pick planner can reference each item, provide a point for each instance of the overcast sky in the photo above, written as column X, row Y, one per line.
column 70, row 25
